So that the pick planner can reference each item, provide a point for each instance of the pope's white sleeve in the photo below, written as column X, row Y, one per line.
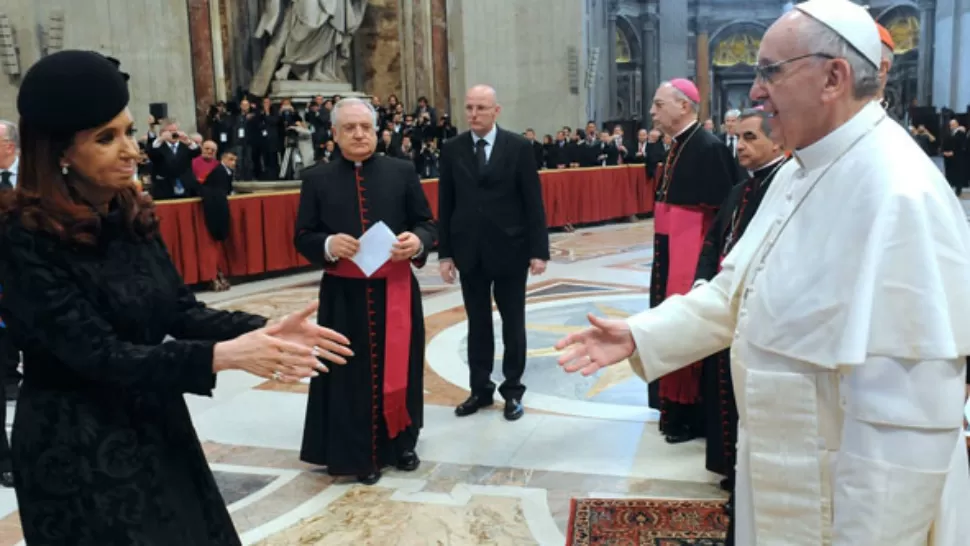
column 683, row 329
column 903, row 425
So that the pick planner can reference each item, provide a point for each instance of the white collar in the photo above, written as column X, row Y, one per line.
column 774, row 161
column 14, row 167
column 489, row 137
column 685, row 129
column 833, row 144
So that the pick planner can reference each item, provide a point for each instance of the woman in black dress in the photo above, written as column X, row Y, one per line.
column 104, row 450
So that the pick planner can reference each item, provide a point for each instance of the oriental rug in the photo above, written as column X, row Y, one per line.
column 646, row 522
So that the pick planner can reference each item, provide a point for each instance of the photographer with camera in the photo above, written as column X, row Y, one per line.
column 171, row 155
column 219, row 122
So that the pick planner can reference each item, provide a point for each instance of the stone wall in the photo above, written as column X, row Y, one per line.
column 520, row 48
column 150, row 38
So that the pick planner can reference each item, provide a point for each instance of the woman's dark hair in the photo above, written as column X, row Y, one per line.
column 45, row 200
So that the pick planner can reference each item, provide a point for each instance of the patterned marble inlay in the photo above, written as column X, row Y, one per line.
column 444, row 503
column 597, row 243
column 549, row 387
column 236, row 486
column 373, row 516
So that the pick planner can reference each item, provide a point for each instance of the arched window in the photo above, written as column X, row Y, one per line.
column 623, row 54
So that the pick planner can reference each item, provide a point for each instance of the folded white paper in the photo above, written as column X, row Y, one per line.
column 375, row 248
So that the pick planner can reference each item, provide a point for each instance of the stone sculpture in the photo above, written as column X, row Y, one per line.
column 310, row 41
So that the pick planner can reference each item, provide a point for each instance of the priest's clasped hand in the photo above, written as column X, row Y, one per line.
column 343, row 246
column 407, row 246
column 286, row 351
column 606, row 342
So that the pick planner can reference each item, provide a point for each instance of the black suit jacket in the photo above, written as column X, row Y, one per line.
column 493, row 219
column 540, row 154
column 215, row 202
column 167, row 166
column 219, row 179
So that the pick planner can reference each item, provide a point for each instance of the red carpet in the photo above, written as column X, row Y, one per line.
column 646, row 522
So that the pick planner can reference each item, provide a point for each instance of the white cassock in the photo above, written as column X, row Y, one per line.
column 847, row 317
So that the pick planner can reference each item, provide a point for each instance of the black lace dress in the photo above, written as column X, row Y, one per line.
column 104, row 450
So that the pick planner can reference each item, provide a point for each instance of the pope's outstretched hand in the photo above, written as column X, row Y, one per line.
column 605, row 342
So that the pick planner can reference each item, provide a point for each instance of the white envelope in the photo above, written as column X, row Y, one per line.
column 375, row 248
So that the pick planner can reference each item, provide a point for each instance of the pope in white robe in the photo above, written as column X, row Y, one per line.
column 846, row 305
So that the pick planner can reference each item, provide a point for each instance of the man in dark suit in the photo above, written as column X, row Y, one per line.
column 493, row 232
column 530, row 135
column 171, row 155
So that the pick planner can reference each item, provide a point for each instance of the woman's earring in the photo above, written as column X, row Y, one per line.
column 64, row 169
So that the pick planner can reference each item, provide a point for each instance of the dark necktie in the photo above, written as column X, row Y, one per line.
column 480, row 153
column 5, row 183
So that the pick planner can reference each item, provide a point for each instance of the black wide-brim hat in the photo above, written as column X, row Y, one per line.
column 71, row 91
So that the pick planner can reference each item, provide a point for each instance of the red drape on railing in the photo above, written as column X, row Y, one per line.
column 261, row 232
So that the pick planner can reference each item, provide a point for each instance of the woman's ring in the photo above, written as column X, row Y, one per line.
column 277, row 376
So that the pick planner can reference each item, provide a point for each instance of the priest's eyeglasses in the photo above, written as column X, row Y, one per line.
column 766, row 73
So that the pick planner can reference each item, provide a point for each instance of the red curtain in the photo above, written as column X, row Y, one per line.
column 262, row 225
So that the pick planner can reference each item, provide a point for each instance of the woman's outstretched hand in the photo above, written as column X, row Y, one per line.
column 286, row 351
column 328, row 344
column 262, row 354
column 604, row 343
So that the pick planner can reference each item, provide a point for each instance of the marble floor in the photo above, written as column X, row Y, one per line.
column 483, row 480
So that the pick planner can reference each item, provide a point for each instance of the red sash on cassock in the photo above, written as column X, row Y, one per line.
column 685, row 228
column 397, row 336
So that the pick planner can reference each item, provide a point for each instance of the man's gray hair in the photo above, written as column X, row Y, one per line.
column 735, row 113
column 349, row 101
column 10, row 132
column 757, row 113
column 822, row 40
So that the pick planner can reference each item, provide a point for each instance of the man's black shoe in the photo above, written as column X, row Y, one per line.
column 513, row 409
column 472, row 405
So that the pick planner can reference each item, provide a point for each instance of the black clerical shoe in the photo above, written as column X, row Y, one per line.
column 513, row 409
column 6, row 479
column 408, row 461
column 472, row 405
column 370, row 479
column 681, row 436
column 729, row 507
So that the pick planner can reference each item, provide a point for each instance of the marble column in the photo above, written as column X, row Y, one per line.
column 218, row 49
column 703, row 69
column 927, row 26
column 200, row 38
column 243, row 50
column 439, row 56
column 381, row 49
column 611, row 72
column 416, row 60
column 651, row 58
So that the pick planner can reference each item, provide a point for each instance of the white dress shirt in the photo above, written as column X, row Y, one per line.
column 13, row 170
column 489, row 139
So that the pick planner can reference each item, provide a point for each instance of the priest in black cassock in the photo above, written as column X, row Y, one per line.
column 762, row 159
column 366, row 415
column 698, row 173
